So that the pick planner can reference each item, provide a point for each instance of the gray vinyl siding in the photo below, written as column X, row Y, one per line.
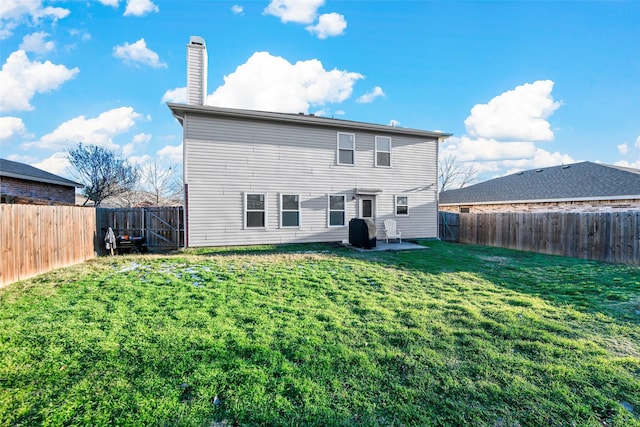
column 196, row 74
column 226, row 158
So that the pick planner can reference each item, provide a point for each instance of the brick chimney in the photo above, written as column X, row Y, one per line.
column 196, row 71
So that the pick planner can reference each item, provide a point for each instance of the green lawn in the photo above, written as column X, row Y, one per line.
column 318, row 335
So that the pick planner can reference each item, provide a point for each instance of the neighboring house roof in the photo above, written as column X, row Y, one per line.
column 179, row 111
column 574, row 182
column 11, row 169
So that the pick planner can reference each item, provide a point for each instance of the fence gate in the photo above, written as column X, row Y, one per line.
column 162, row 226
column 448, row 226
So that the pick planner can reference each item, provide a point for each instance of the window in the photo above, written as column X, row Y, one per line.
column 290, row 210
column 255, row 210
column 346, row 148
column 402, row 205
column 383, row 151
column 337, row 211
column 464, row 210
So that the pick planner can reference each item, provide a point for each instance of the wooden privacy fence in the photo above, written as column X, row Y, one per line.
column 163, row 226
column 603, row 236
column 37, row 239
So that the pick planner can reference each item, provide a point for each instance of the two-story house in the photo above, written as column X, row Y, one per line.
column 263, row 177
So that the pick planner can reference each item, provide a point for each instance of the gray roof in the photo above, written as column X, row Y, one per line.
column 578, row 181
column 11, row 169
column 307, row 119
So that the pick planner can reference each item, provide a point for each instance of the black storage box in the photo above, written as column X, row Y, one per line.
column 362, row 233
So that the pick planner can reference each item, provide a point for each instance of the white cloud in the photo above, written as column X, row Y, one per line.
column 36, row 43
column 139, row 139
column 267, row 82
column 140, row 161
column 503, row 133
column 138, row 53
column 637, row 144
column 140, row 7
column 11, row 126
column 466, row 149
column 329, row 25
column 81, row 34
column 300, row 11
column 623, row 148
column 518, row 114
column 237, row 9
column 489, row 155
column 17, row 12
column 58, row 164
column 178, row 95
column 368, row 98
column 97, row 130
column 112, row 3
column 394, row 123
column 540, row 159
column 21, row 79
column 625, row 164
column 171, row 153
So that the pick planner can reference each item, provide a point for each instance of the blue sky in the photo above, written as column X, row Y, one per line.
column 521, row 85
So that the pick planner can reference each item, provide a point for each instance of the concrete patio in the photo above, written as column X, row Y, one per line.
column 382, row 246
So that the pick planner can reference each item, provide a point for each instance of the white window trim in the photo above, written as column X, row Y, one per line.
column 375, row 153
column 353, row 136
column 344, row 197
column 245, row 210
column 395, row 205
column 299, row 210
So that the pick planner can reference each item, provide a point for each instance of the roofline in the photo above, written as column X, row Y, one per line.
column 572, row 199
column 65, row 183
column 178, row 111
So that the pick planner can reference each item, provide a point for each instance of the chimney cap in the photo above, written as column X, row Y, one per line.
column 196, row 40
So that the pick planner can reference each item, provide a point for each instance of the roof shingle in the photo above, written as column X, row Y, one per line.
column 566, row 182
column 11, row 169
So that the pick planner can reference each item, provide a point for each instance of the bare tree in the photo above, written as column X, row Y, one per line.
column 101, row 172
column 162, row 183
column 453, row 174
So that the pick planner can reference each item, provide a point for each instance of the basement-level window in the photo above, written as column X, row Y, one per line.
column 255, row 207
column 346, row 149
column 383, row 151
column 289, row 210
column 337, row 211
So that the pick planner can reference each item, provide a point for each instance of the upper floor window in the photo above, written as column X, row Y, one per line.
column 290, row 210
column 346, row 148
column 255, row 207
column 402, row 205
column 383, row 151
column 337, row 211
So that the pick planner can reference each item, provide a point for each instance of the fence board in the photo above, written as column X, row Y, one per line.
column 35, row 239
column 604, row 236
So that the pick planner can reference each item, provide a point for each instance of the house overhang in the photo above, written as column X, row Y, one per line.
column 368, row 191
column 61, row 183
column 180, row 110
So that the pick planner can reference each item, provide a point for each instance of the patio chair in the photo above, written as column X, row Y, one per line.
column 390, row 231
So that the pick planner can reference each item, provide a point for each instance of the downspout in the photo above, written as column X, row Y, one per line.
column 185, row 169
